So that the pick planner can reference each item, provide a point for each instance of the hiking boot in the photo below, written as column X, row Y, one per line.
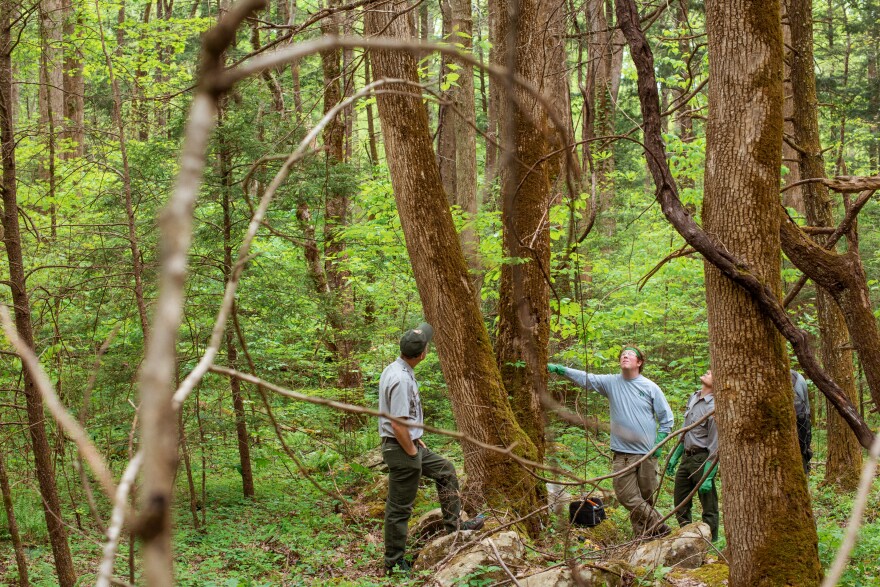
column 660, row 531
column 401, row 567
column 473, row 524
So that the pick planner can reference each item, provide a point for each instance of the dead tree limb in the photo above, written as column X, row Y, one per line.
column 681, row 220
column 159, row 434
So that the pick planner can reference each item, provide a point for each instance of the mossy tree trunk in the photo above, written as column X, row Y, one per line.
column 465, row 195
column 768, row 516
column 479, row 400
column 339, row 304
column 844, row 461
column 524, row 328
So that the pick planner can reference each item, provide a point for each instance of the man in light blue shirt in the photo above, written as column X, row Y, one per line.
column 640, row 418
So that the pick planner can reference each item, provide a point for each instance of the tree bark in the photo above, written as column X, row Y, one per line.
column 844, row 462
column 74, row 87
column 524, row 326
column 244, row 451
column 479, row 399
column 758, row 443
column 339, row 303
column 20, row 559
column 465, row 193
column 12, row 238
column 446, row 127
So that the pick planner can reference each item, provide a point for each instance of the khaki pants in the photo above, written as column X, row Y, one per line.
column 635, row 490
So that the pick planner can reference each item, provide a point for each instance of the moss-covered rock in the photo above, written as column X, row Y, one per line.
column 711, row 575
column 605, row 534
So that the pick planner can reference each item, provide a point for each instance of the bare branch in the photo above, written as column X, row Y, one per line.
column 844, row 184
column 117, row 518
column 508, row 451
column 855, row 518
column 207, row 359
column 59, row 412
column 501, row 562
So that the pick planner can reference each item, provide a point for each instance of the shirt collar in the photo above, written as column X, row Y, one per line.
column 405, row 365
column 708, row 398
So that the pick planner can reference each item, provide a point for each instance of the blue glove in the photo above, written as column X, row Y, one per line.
column 554, row 368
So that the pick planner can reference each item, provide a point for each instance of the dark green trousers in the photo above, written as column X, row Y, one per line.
column 688, row 476
column 404, row 473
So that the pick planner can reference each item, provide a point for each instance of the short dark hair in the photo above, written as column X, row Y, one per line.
column 639, row 354
column 406, row 356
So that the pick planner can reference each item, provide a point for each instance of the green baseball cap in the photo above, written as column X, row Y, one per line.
column 413, row 342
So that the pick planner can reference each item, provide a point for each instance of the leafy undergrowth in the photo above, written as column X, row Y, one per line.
column 294, row 534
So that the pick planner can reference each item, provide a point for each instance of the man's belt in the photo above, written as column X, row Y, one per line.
column 389, row 439
column 695, row 450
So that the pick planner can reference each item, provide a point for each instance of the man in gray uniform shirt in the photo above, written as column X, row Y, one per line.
column 699, row 448
column 802, row 415
column 640, row 418
column 407, row 456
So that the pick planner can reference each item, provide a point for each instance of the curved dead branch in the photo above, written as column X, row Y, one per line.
column 733, row 268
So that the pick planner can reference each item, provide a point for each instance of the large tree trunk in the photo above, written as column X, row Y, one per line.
column 844, row 461
column 465, row 193
column 479, row 399
column 12, row 238
column 603, row 82
column 524, row 327
column 737, row 270
column 340, row 306
column 758, row 444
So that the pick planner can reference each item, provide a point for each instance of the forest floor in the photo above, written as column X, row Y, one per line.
column 293, row 534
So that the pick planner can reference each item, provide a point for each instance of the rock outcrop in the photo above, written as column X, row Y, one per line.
column 684, row 549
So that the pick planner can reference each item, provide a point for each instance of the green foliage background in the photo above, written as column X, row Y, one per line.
column 81, row 288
